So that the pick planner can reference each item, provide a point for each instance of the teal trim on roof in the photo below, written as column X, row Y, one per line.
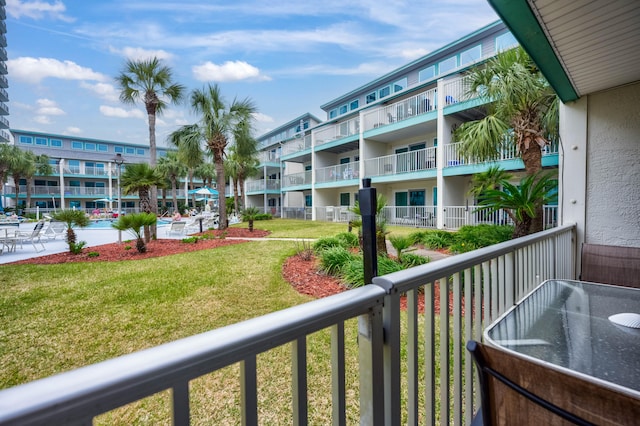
column 81, row 138
column 520, row 19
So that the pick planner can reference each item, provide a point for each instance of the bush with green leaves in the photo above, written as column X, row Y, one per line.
column 333, row 259
column 352, row 273
column 72, row 218
column 400, row 243
column 264, row 216
column 350, row 240
column 324, row 243
column 434, row 239
column 409, row 260
column 474, row 237
column 134, row 223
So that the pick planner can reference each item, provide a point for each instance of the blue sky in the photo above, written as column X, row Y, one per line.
column 288, row 56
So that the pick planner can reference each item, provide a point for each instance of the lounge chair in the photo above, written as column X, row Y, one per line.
column 7, row 240
column 32, row 237
column 55, row 229
column 177, row 228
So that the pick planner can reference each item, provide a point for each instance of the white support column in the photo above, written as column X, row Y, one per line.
column 110, row 178
column 573, row 167
column 61, row 174
column 362, row 152
column 443, row 139
column 313, row 178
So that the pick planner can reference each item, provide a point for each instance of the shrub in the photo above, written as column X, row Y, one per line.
column 474, row 237
column 353, row 272
column 189, row 240
column 93, row 254
column 304, row 250
column 324, row 243
column 409, row 260
column 348, row 239
column 76, row 248
column 264, row 216
column 334, row 259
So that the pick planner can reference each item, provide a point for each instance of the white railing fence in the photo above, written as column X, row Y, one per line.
column 338, row 172
column 303, row 213
column 336, row 131
column 405, row 162
column 430, row 367
column 401, row 110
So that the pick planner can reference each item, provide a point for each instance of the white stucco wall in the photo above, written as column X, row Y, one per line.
column 613, row 167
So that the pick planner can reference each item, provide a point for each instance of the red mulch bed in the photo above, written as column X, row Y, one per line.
column 303, row 275
column 157, row 248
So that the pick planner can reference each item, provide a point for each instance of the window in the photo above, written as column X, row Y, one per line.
column 399, row 85
column 371, row 97
column 354, row 105
column 26, row 140
column 505, row 41
column 102, row 147
column 447, row 65
column 333, row 113
column 344, row 160
column 90, row 146
column 345, row 197
column 307, row 200
column 129, row 150
column 343, row 109
column 139, row 151
column 74, row 167
column 427, row 73
column 42, row 141
column 471, row 55
column 56, row 143
column 77, row 145
column 118, row 149
column 385, row 91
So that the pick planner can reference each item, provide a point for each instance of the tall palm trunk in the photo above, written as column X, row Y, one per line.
column 151, row 115
column 174, row 192
column 145, row 206
column 532, row 158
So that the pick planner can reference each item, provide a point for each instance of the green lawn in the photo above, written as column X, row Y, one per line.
column 60, row 317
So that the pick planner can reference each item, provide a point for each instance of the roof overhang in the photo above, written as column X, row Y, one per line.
column 581, row 46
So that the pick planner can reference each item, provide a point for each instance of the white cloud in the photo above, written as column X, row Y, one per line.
column 48, row 107
column 106, row 91
column 138, row 53
column 34, row 70
column 120, row 112
column 38, row 10
column 262, row 118
column 229, row 71
column 73, row 130
column 42, row 119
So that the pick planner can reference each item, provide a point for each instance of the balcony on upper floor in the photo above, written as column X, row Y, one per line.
column 3, row 41
column 452, row 157
column 337, row 131
column 338, row 173
column 266, row 157
column 406, row 162
column 262, row 185
column 3, row 14
column 4, row 123
column 296, row 146
column 4, row 83
column 3, row 54
column 297, row 181
column 4, row 136
column 4, row 95
column 402, row 110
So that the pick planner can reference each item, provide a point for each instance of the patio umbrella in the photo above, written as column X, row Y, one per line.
column 205, row 190
column 106, row 200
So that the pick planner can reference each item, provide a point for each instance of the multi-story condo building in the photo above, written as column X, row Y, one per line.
column 84, row 171
column 4, row 96
column 396, row 130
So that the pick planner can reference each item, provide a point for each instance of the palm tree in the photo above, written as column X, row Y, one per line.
column 523, row 112
column 140, row 178
column 149, row 81
column 72, row 218
column 522, row 202
column 492, row 178
column 20, row 168
column 8, row 156
column 249, row 214
column 381, row 224
column 38, row 165
column 170, row 167
column 216, row 128
column 133, row 223
column 242, row 162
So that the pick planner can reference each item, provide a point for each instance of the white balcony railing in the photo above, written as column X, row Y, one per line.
column 262, row 185
column 453, row 158
column 413, row 368
column 406, row 162
column 336, row 131
column 296, row 179
column 340, row 172
column 296, row 145
column 401, row 110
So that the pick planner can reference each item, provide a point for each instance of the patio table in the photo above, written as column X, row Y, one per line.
column 570, row 325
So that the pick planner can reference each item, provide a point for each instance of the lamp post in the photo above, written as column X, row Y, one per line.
column 119, row 160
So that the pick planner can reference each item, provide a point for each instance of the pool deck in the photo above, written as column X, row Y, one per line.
column 93, row 237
